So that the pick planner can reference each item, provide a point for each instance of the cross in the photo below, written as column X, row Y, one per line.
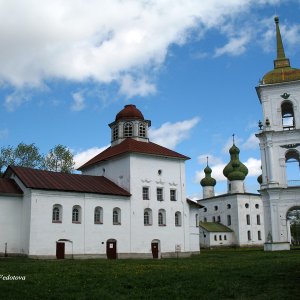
column 233, row 138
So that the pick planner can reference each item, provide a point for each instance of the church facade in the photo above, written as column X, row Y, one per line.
column 130, row 201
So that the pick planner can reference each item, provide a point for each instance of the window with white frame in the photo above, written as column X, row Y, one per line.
column 228, row 220
column 173, row 195
column 162, row 217
column 98, row 215
column 115, row 133
column 248, row 219
column 146, row 193
column 178, row 218
column 147, row 216
column 128, row 129
column 258, row 219
column 142, row 130
column 159, row 194
column 259, row 235
column 116, row 216
column 57, row 213
column 76, row 214
column 249, row 235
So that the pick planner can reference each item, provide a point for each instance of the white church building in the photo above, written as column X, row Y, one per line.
column 129, row 201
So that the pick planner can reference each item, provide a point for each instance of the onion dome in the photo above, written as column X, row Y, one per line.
column 259, row 179
column 283, row 71
column 208, row 180
column 235, row 170
column 129, row 112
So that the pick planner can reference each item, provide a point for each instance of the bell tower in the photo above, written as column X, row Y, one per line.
column 279, row 140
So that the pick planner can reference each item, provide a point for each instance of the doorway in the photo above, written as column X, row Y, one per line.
column 155, row 245
column 111, row 249
column 60, row 250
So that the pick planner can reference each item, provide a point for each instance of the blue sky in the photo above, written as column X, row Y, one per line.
column 68, row 67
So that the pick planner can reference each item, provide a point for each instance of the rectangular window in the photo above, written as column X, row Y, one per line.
column 159, row 194
column 225, row 237
column 219, row 219
column 214, row 219
column 197, row 220
column 228, row 220
column 173, row 195
column 259, row 235
column 249, row 235
column 258, row 219
column 145, row 193
column 220, row 237
column 215, row 237
column 248, row 219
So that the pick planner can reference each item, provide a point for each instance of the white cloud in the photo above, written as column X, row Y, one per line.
column 251, row 143
column 235, row 46
column 78, row 103
column 133, row 87
column 171, row 134
column 82, row 157
column 212, row 160
column 217, row 173
column 254, row 166
column 105, row 41
column 16, row 99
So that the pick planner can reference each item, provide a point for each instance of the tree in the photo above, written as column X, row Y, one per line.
column 59, row 159
column 7, row 157
column 27, row 156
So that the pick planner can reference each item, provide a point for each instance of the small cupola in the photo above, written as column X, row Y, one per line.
column 208, row 183
column 129, row 123
column 235, row 171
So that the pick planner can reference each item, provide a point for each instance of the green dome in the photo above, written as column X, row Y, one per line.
column 259, row 179
column 208, row 180
column 235, row 170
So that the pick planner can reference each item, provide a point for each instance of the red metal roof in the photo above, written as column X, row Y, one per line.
column 132, row 146
column 129, row 112
column 8, row 186
column 46, row 180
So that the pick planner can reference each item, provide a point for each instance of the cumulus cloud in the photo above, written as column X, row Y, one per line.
column 78, row 103
column 234, row 47
column 254, row 166
column 251, row 143
column 107, row 41
column 132, row 87
column 16, row 99
column 217, row 172
column 212, row 160
column 171, row 134
column 82, row 157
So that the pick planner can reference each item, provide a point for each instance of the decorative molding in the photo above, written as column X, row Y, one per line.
column 146, row 180
column 173, row 183
column 285, row 96
column 290, row 146
column 160, row 182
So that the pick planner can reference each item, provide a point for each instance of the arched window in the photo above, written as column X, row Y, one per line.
column 178, row 218
column 98, row 215
column 57, row 213
column 116, row 216
column 162, row 217
column 287, row 113
column 115, row 134
column 142, row 130
column 292, row 159
column 76, row 214
column 147, row 216
column 128, row 130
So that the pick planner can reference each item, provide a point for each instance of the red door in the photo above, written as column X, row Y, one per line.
column 154, row 247
column 111, row 249
column 60, row 250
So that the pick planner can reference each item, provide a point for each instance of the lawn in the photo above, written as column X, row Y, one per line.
column 214, row 274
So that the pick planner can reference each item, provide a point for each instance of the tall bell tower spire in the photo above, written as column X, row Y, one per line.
column 279, row 141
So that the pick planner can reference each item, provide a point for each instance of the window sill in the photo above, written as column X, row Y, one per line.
column 99, row 223
column 76, row 222
column 147, row 224
column 57, row 222
column 162, row 225
column 177, row 225
column 116, row 223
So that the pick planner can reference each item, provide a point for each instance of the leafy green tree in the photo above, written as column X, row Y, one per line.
column 59, row 159
column 7, row 157
column 27, row 156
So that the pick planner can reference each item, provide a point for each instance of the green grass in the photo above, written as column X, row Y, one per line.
column 215, row 274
